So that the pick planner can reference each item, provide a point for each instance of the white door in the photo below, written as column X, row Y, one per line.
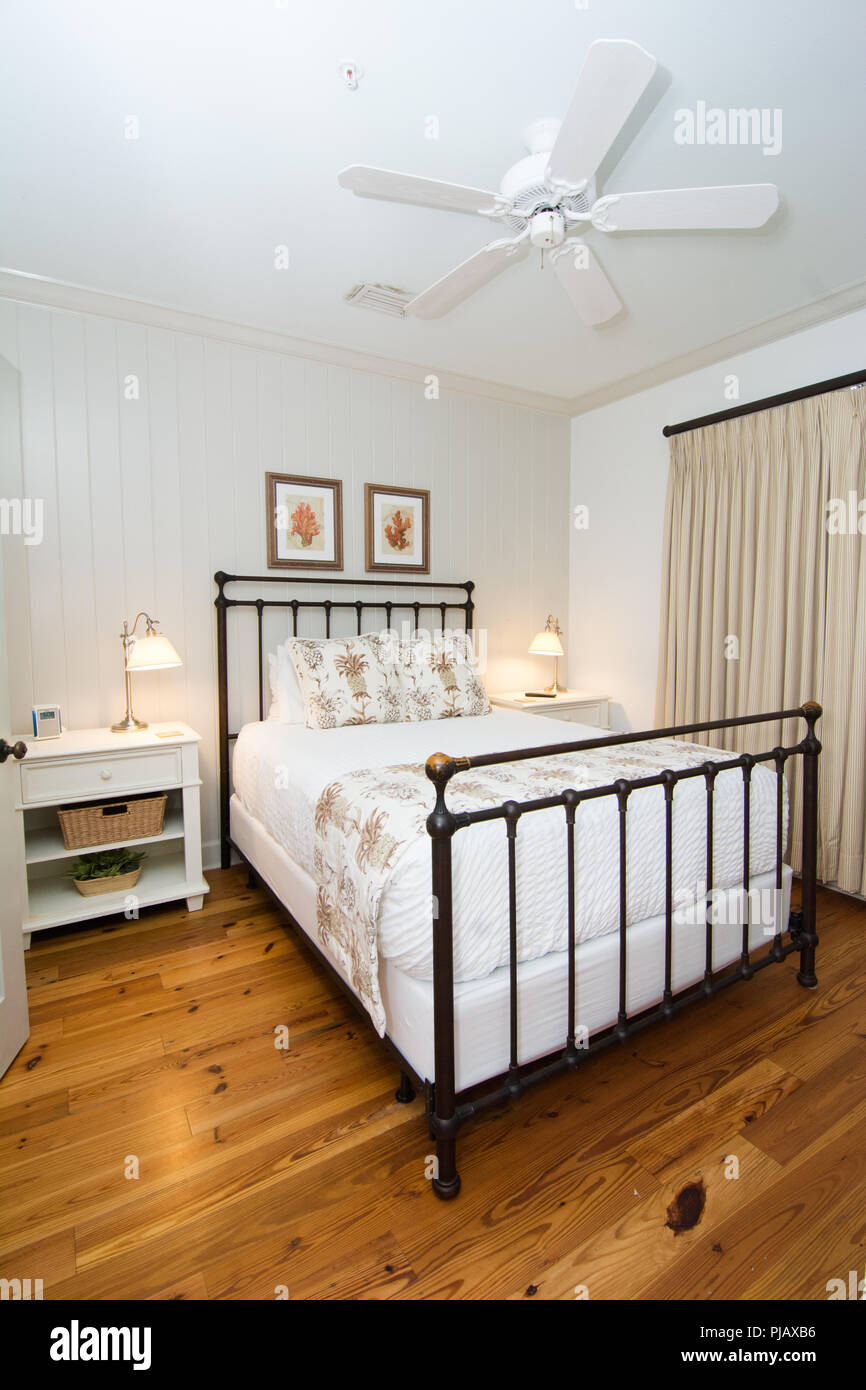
column 14, row 1024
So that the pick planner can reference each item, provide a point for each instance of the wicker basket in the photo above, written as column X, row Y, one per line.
column 90, row 887
column 111, row 822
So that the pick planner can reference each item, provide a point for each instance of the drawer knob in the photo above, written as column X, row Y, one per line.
column 105, row 774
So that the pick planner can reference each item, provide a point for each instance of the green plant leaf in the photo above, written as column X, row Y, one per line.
column 109, row 863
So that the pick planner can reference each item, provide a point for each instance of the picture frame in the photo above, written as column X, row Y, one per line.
column 304, row 522
column 397, row 528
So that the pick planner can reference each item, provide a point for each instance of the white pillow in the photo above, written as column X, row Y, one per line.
column 287, row 702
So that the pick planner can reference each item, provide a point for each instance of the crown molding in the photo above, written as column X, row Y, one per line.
column 816, row 311
column 57, row 294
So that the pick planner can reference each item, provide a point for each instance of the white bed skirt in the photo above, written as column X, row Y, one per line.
column 481, row 1014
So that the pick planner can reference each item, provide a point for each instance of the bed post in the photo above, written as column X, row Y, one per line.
column 469, row 605
column 221, row 603
column 807, row 937
column 440, row 827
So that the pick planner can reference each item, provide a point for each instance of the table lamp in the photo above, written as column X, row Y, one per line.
column 547, row 643
column 152, row 652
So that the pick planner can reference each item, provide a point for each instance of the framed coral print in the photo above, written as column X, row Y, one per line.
column 305, row 522
column 397, row 528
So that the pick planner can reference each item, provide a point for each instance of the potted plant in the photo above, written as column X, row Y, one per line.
column 110, row 871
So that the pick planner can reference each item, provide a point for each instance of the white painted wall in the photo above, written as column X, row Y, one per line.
column 145, row 499
column 619, row 467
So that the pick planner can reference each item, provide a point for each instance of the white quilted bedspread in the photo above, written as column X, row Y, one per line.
column 280, row 771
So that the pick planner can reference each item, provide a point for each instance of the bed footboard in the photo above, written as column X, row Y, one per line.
column 448, row 1112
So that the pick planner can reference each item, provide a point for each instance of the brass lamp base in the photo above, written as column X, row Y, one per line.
column 551, row 691
column 129, row 725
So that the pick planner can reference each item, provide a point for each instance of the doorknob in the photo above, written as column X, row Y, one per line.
column 17, row 750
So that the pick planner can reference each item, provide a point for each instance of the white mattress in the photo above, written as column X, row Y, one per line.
column 481, row 1007
column 281, row 769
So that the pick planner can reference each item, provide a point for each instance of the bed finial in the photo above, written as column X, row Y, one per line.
column 440, row 767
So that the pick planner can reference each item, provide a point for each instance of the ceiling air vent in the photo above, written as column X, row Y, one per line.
column 381, row 299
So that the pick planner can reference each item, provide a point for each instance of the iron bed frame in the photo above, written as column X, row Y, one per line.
column 447, row 1109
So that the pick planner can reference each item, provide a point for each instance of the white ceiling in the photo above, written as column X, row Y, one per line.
column 244, row 124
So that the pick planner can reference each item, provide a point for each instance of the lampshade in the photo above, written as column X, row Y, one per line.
column 152, row 653
column 546, row 644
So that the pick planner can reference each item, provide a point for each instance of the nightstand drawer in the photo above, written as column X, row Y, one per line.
column 78, row 778
column 569, row 706
column 595, row 715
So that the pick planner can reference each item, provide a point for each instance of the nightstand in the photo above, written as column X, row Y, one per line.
column 98, row 765
column 577, row 706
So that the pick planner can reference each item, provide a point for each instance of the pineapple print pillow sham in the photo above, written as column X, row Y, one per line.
column 347, row 681
column 440, row 679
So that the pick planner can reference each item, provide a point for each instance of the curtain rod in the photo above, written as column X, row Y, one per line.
column 836, row 383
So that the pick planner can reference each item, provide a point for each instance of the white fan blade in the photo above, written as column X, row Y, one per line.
column 466, row 278
column 684, row 209
column 410, row 188
column 585, row 283
column 614, row 76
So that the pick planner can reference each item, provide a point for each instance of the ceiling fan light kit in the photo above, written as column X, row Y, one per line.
column 548, row 199
column 547, row 229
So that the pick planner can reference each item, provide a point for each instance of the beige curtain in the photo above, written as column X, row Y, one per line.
column 764, row 597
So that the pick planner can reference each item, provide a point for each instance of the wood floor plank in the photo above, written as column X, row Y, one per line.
column 377, row 1269
column 745, row 1029
column 814, row 1047
column 25, row 1113
column 265, row 1206
column 151, row 953
column 49, row 1060
column 109, row 1004
column 51, row 1259
column 489, row 1252
column 125, row 1078
column 193, row 1289
column 235, row 953
column 41, row 975
column 715, row 1120
column 813, row 1210
column 96, row 1179
column 116, row 942
column 824, row 1100
column 248, row 1155
column 616, row 1261
column 24, row 1152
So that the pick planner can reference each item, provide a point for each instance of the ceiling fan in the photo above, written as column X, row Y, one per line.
column 548, row 199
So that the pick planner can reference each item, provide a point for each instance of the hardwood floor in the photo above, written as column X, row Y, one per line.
column 155, row 1143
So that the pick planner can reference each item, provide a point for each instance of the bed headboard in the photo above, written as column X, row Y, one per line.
column 325, row 607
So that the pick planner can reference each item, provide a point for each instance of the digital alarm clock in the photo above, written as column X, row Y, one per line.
column 46, row 721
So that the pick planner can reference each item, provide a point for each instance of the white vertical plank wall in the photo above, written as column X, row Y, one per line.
column 149, row 448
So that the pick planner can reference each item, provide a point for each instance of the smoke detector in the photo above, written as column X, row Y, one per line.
column 351, row 74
